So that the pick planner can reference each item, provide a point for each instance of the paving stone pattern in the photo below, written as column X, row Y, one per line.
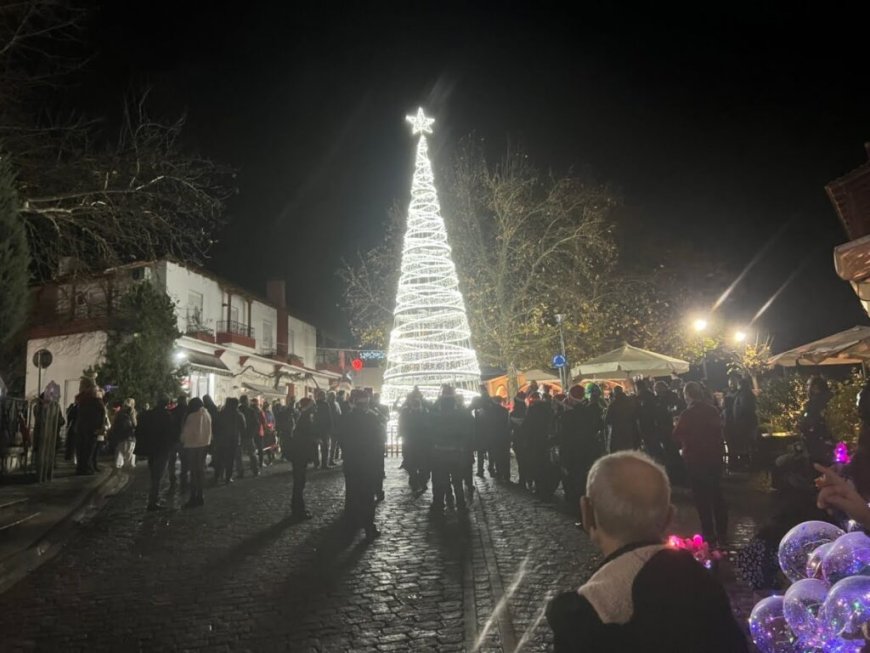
column 237, row 575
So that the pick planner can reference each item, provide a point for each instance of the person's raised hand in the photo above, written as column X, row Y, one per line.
column 836, row 493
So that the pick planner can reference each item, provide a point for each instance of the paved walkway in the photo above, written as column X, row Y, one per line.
column 238, row 575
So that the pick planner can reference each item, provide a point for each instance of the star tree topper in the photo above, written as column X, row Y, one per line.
column 420, row 123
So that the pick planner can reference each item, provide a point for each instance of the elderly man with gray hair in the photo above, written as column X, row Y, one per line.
column 645, row 596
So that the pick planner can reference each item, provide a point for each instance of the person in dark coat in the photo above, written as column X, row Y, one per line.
column 155, row 438
column 71, row 414
column 414, row 434
column 745, row 426
column 229, row 430
column 647, row 421
column 285, row 424
column 179, row 414
column 324, row 427
column 813, row 426
column 621, row 422
column 518, row 416
column 362, row 446
column 90, row 421
column 302, row 452
column 645, row 595
column 535, row 434
column 580, row 444
column 252, row 434
column 495, row 422
column 452, row 433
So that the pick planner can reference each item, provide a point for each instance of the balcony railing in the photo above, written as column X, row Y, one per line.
column 235, row 328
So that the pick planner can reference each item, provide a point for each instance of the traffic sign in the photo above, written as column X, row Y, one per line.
column 559, row 361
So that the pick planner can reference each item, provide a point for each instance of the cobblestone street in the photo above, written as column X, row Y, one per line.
column 238, row 575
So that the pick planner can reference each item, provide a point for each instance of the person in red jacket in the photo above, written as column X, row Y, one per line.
column 699, row 434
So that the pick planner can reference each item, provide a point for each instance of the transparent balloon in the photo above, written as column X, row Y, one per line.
column 797, row 545
column 770, row 631
column 847, row 609
column 849, row 556
column 814, row 562
column 801, row 605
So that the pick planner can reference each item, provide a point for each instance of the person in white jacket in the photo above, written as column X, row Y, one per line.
column 195, row 438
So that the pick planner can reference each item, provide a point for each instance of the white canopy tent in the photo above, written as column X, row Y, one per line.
column 628, row 362
column 849, row 347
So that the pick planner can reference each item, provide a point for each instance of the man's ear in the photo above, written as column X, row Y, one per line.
column 587, row 514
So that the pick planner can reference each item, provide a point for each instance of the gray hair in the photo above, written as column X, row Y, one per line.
column 630, row 495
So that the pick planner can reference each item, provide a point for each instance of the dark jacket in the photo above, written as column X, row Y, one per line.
column 580, row 442
column 91, row 416
column 699, row 434
column 362, row 443
column 155, row 435
column 646, row 597
column 229, row 427
column 622, row 420
column 122, row 428
column 324, row 420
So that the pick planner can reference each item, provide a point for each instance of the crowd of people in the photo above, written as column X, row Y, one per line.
column 556, row 438
column 179, row 437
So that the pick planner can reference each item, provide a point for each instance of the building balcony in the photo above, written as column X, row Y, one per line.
column 81, row 317
column 290, row 359
column 236, row 333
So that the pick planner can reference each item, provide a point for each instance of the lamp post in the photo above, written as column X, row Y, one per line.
column 700, row 325
column 563, row 371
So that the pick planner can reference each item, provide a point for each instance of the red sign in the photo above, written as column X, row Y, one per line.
column 356, row 364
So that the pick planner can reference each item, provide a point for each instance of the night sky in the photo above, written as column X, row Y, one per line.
column 717, row 128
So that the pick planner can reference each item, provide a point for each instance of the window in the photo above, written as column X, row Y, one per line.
column 267, row 335
column 194, row 306
column 234, row 313
column 291, row 342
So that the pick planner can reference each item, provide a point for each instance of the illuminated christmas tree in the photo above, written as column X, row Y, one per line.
column 430, row 343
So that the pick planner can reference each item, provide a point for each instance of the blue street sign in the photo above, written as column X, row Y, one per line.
column 559, row 360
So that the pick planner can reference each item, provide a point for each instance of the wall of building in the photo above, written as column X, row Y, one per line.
column 302, row 340
column 72, row 355
column 262, row 313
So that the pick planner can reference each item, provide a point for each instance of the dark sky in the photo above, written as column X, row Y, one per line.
column 717, row 127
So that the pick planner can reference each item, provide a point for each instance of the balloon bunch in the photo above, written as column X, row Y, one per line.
column 827, row 606
column 697, row 547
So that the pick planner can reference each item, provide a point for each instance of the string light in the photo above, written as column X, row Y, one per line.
column 430, row 343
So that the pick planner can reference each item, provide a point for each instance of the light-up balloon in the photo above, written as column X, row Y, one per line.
column 801, row 605
column 847, row 609
column 797, row 545
column 849, row 556
column 770, row 631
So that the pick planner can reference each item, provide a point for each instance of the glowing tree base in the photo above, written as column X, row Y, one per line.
column 430, row 343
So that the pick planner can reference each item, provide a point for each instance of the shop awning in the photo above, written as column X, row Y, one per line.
column 202, row 361
column 849, row 347
column 628, row 362
column 264, row 390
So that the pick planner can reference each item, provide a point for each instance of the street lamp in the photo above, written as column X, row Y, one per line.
column 699, row 324
column 740, row 336
column 180, row 356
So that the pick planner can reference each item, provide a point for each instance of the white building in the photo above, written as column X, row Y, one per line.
column 234, row 341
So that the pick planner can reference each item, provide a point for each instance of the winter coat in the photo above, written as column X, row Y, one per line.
column 155, row 435
column 229, row 428
column 362, row 444
column 622, row 420
column 197, row 430
column 580, row 442
column 699, row 433
column 324, row 422
column 91, row 416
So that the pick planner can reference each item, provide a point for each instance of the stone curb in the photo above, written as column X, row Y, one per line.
column 18, row 565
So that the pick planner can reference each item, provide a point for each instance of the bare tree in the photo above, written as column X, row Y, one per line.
column 102, row 198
